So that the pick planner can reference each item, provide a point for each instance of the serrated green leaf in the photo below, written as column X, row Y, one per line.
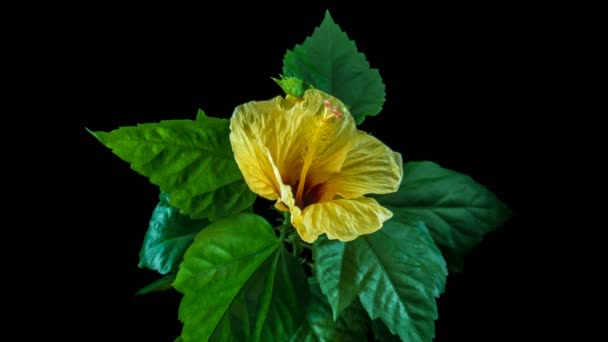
column 421, row 247
column 329, row 60
column 169, row 234
column 319, row 325
column 159, row 285
column 457, row 210
column 381, row 332
column 192, row 161
column 240, row 284
column 397, row 272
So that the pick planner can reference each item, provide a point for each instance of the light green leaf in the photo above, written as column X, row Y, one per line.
column 319, row 325
column 159, row 285
column 192, row 161
column 329, row 60
column 203, row 118
column 457, row 210
column 397, row 272
column 169, row 235
column 292, row 86
column 240, row 284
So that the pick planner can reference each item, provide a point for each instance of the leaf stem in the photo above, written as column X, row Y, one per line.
column 283, row 230
column 305, row 245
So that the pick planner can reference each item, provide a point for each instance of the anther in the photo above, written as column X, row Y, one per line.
column 337, row 112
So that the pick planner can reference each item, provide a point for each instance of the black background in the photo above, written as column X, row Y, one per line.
column 507, row 95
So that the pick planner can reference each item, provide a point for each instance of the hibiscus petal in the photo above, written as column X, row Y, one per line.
column 252, row 160
column 263, row 123
column 342, row 219
column 369, row 168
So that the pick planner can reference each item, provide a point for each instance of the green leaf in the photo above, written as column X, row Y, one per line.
column 457, row 210
column 169, row 234
column 382, row 333
column 239, row 283
column 397, row 272
column 329, row 61
column 203, row 118
column 319, row 325
column 190, row 160
column 292, row 86
column 159, row 285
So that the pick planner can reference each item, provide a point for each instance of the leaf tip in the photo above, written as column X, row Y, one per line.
column 328, row 17
column 200, row 115
column 335, row 315
column 91, row 132
column 278, row 81
column 99, row 135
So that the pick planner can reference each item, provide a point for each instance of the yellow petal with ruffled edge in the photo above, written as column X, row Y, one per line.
column 342, row 219
column 369, row 168
column 251, row 158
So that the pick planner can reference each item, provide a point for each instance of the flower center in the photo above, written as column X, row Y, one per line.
column 316, row 142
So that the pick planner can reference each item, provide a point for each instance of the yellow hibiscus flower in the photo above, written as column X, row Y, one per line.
column 307, row 154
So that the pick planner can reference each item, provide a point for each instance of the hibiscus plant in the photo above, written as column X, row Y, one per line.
column 361, row 243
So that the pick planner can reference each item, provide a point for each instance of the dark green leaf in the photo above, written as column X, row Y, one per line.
column 240, row 284
column 169, row 235
column 159, row 285
column 229, row 199
column 192, row 161
column 319, row 325
column 382, row 333
column 329, row 61
column 457, row 210
column 421, row 247
column 397, row 272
